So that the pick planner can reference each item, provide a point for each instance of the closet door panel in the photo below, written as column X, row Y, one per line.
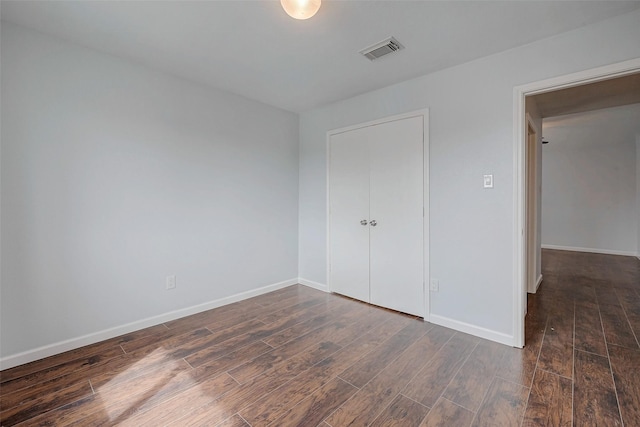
column 396, row 206
column 349, row 205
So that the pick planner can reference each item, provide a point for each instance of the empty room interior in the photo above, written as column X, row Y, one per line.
column 320, row 213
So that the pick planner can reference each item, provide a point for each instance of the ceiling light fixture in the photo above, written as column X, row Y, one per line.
column 301, row 9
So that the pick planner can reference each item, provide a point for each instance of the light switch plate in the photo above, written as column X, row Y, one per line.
column 488, row 181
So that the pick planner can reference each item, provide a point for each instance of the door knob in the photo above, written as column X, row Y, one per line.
column 373, row 223
column 363, row 222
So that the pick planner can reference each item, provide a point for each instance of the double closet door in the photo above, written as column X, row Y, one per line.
column 376, row 209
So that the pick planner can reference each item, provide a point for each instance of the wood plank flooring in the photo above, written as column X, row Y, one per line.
column 300, row 357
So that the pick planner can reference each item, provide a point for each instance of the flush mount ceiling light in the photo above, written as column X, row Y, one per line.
column 301, row 9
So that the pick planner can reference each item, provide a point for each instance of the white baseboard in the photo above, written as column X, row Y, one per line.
column 537, row 285
column 73, row 343
column 472, row 329
column 590, row 250
column 314, row 285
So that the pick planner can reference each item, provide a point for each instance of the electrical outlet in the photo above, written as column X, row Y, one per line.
column 171, row 282
column 435, row 285
column 487, row 181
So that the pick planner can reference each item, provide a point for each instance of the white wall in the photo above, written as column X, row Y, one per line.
column 589, row 181
column 471, row 134
column 114, row 176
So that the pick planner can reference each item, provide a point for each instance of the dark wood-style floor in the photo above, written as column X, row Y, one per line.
column 302, row 357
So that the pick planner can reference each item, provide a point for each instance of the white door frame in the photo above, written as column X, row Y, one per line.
column 519, row 136
column 424, row 113
column 531, row 217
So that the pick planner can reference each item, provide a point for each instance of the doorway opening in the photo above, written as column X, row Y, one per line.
column 527, row 253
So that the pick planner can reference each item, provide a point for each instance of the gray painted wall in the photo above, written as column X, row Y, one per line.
column 589, row 181
column 115, row 176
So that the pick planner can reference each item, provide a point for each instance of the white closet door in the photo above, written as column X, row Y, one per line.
column 349, row 205
column 396, row 206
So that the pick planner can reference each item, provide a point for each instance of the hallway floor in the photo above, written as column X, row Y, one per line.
column 583, row 325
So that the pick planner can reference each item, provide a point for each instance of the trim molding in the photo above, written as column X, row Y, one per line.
column 312, row 284
column 73, row 343
column 590, row 250
column 538, row 282
column 472, row 329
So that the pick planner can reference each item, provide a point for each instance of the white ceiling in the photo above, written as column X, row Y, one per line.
column 592, row 96
column 252, row 48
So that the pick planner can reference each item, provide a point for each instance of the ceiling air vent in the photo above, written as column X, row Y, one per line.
column 383, row 48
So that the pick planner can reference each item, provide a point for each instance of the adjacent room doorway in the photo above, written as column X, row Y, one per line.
column 524, row 244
